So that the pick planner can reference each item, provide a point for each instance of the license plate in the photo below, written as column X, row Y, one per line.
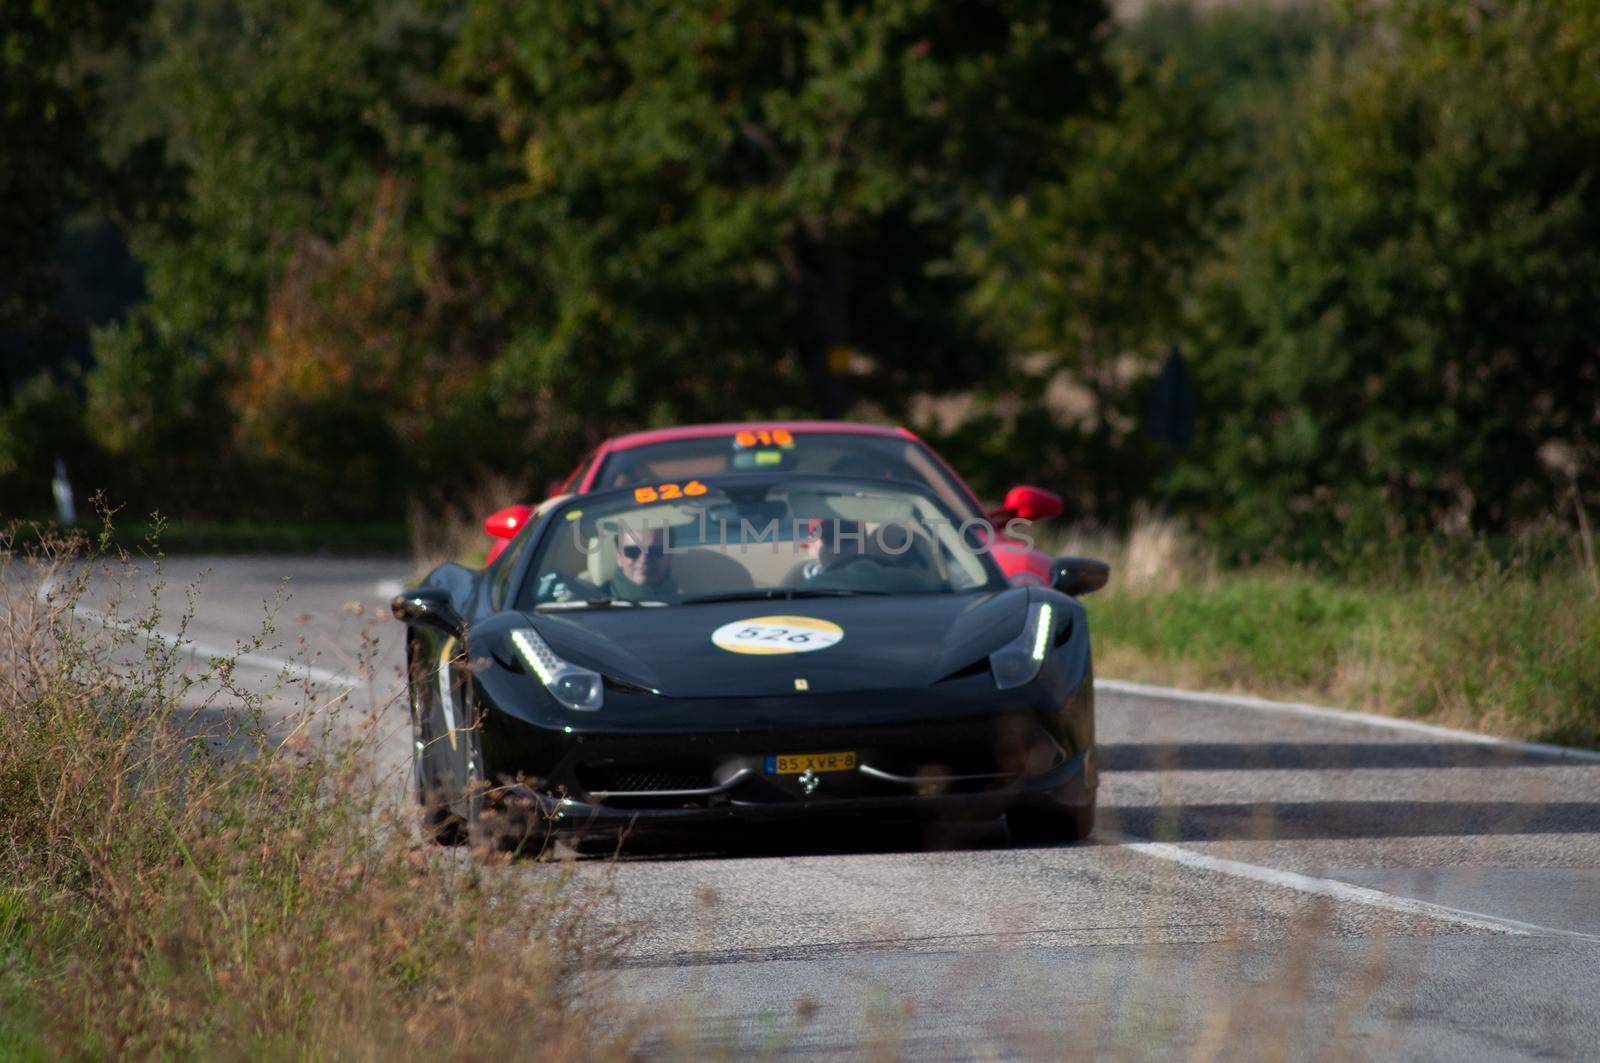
column 796, row 763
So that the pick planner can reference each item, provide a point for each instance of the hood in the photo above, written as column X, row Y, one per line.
column 867, row 643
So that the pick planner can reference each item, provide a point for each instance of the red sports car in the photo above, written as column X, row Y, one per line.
column 672, row 455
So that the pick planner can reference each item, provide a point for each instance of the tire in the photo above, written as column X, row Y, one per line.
column 505, row 826
column 1044, row 825
column 502, row 822
column 437, row 822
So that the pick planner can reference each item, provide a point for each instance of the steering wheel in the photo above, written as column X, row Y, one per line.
column 859, row 563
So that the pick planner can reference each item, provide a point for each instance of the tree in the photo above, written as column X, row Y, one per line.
column 65, row 265
column 306, row 319
column 1404, row 337
column 49, row 163
column 1091, row 272
column 732, row 206
column 425, row 239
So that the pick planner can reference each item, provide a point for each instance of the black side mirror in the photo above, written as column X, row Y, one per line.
column 1078, row 576
column 428, row 607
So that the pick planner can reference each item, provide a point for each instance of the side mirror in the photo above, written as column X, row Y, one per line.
column 1078, row 576
column 428, row 607
column 507, row 522
column 1027, row 503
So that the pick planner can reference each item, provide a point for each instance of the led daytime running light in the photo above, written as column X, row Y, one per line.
column 1017, row 663
column 540, row 658
column 575, row 687
column 1041, row 631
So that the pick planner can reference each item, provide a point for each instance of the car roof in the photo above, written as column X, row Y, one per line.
column 701, row 431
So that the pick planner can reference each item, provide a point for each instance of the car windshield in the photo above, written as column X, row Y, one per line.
column 764, row 450
column 692, row 541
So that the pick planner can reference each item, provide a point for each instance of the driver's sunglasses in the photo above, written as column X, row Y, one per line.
column 633, row 551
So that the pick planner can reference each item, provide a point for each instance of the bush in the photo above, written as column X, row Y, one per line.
column 1402, row 335
column 42, row 423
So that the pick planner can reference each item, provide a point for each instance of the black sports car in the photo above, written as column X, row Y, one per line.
column 742, row 650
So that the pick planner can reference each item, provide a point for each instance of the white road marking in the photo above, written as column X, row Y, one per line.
column 1333, row 888
column 1341, row 891
column 1290, row 708
column 205, row 649
column 388, row 588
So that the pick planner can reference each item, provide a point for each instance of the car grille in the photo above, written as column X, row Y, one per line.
column 946, row 762
column 643, row 780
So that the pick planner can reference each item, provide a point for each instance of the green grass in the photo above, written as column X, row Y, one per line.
column 1462, row 639
column 1278, row 631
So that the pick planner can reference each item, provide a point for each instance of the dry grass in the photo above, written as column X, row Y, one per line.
column 456, row 532
column 179, row 877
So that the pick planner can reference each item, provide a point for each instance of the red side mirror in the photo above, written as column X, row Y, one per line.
column 1027, row 503
column 507, row 522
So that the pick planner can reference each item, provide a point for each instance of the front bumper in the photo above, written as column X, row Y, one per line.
column 955, row 750
column 1068, row 785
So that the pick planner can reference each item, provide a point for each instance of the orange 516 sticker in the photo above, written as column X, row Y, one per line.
column 667, row 492
column 761, row 437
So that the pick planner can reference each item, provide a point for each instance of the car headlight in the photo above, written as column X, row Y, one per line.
column 575, row 687
column 1018, row 661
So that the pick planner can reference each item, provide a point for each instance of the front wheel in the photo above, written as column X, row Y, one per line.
column 505, row 820
column 505, row 823
column 1039, row 825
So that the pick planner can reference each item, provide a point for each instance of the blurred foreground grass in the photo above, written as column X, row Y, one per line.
column 194, row 868
column 1507, row 643
column 390, row 538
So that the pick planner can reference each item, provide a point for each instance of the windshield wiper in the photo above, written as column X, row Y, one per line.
column 778, row 592
column 594, row 603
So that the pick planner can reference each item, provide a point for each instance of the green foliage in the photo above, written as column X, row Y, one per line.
column 418, row 245
column 306, row 314
column 1508, row 647
column 1253, row 53
column 1402, row 336
column 156, row 410
column 744, row 208
column 42, row 422
column 1092, row 272
column 396, row 252
column 50, row 164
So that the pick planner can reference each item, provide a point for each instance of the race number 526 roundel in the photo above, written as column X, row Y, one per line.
column 777, row 634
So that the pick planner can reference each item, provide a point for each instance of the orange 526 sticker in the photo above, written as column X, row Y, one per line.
column 667, row 492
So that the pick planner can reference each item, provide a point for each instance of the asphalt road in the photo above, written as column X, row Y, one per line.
column 1264, row 881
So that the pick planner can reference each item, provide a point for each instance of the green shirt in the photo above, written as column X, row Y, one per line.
column 623, row 589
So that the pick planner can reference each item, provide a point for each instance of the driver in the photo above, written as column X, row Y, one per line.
column 644, row 570
column 829, row 544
